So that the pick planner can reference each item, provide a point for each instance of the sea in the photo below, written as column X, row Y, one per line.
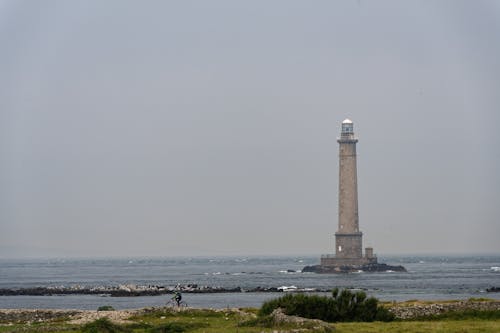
column 427, row 278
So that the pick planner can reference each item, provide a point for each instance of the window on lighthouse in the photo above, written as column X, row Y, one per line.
column 347, row 128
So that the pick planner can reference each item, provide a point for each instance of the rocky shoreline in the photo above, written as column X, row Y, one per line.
column 132, row 290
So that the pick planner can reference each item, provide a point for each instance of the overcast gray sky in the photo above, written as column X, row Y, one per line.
column 209, row 127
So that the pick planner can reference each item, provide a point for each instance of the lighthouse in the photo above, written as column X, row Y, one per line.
column 348, row 238
column 348, row 255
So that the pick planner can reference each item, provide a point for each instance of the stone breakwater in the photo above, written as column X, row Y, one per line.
column 417, row 310
column 135, row 290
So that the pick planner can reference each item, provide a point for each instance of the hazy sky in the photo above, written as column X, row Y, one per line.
column 209, row 127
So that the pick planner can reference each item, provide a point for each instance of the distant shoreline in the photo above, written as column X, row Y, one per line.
column 133, row 290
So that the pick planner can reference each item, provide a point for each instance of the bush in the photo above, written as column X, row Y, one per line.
column 106, row 308
column 343, row 306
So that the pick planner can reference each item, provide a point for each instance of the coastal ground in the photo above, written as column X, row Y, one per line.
column 413, row 316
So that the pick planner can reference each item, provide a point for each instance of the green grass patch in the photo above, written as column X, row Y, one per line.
column 481, row 299
column 104, row 325
column 172, row 313
column 190, row 320
column 175, row 327
column 459, row 326
column 105, row 308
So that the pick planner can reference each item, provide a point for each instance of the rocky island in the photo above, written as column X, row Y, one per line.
column 373, row 267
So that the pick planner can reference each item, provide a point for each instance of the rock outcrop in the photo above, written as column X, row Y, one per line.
column 280, row 318
column 23, row 316
column 417, row 310
column 28, row 315
column 376, row 267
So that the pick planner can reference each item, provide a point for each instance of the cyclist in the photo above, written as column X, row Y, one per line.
column 177, row 297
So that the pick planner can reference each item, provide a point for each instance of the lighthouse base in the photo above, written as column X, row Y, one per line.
column 369, row 267
column 336, row 261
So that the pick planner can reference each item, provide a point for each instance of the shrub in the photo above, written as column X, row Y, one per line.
column 343, row 306
column 106, row 308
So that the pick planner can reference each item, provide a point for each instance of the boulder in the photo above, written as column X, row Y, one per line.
column 280, row 318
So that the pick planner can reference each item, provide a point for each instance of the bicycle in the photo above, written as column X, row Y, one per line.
column 173, row 304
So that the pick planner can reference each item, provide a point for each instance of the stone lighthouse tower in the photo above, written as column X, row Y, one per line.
column 348, row 238
column 348, row 255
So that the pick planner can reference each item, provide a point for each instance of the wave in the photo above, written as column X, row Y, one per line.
column 289, row 271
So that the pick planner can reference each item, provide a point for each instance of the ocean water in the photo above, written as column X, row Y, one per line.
column 428, row 278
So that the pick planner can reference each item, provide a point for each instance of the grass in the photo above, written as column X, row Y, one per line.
column 103, row 325
column 105, row 308
column 208, row 321
column 52, row 328
column 445, row 326
column 195, row 320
